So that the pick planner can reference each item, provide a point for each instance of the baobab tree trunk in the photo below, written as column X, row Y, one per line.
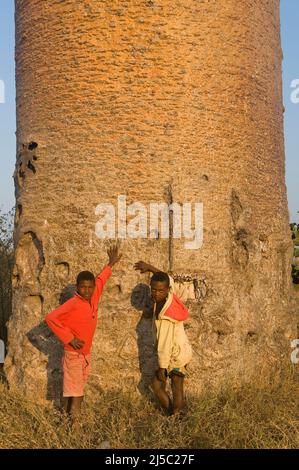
column 152, row 102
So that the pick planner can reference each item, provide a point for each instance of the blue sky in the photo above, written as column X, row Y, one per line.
column 290, row 45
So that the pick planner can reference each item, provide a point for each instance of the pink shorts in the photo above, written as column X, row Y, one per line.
column 76, row 368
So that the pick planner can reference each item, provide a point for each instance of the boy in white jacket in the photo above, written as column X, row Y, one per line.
column 173, row 348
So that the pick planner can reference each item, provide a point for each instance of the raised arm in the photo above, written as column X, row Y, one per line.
column 144, row 267
column 114, row 255
column 102, row 278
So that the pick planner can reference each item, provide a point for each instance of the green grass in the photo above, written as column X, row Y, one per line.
column 244, row 418
column 296, row 240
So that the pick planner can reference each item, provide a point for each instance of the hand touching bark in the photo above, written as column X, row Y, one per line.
column 144, row 267
column 114, row 255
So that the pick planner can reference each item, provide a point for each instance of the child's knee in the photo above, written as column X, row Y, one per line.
column 156, row 385
column 177, row 381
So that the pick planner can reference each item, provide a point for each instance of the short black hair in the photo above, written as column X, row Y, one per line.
column 85, row 276
column 160, row 276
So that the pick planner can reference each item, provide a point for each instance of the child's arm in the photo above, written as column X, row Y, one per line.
column 114, row 255
column 53, row 321
column 145, row 267
column 102, row 278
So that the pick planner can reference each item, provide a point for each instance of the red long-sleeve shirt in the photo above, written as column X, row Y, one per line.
column 77, row 317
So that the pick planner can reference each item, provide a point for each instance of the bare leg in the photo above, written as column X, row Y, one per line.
column 158, row 388
column 67, row 404
column 75, row 408
column 177, row 385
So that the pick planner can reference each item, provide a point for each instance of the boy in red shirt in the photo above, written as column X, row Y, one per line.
column 74, row 323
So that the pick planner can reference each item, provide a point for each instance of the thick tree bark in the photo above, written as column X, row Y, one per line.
column 173, row 101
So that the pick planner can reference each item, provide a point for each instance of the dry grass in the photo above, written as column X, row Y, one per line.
column 247, row 418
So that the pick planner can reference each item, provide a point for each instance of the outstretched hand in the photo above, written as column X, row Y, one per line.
column 142, row 266
column 114, row 255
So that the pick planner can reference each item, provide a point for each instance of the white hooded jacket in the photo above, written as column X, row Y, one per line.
column 172, row 344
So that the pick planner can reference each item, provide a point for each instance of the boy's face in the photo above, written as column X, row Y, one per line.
column 86, row 289
column 159, row 290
